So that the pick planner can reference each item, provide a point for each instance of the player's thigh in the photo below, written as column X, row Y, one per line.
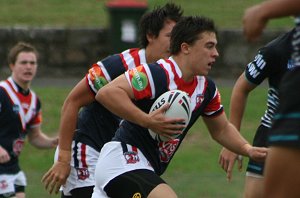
column 254, row 187
column 282, row 175
column 20, row 195
column 162, row 190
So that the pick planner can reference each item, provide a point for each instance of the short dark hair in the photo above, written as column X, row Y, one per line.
column 18, row 48
column 187, row 31
column 152, row 22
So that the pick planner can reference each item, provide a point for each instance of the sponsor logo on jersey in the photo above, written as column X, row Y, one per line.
column 97, row 77
column 18, row 145
column 139, row 79
column 256, row 66
column 100, row 82
column 131, row 157
column 167, row 149
column 82, row 173
column 16, row 108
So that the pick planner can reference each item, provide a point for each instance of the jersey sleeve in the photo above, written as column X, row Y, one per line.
column 104, row 71
column 260, row 67
column 38, row 118
column 147, row 81
column 215, row 106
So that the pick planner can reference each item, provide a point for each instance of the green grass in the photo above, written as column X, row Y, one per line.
column 93, row 13
column 194, row 171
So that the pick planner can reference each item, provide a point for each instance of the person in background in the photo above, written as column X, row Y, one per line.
column 271, row 62
column 131, row 164
column 20, row 117
column 80, row 143
column 282, row 175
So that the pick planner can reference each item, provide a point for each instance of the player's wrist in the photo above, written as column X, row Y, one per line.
column 246, row 149
column 64, row 156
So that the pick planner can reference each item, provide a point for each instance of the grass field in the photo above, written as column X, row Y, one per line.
column 194, row 171
column 93, row 13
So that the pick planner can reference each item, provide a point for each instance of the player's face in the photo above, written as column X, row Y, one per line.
column 24, row 69
column 159, row 46
column 203, row 53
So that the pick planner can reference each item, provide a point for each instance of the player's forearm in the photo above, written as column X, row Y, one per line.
column 69, row 115
column 237, row 108
column 238, row 102
column 42, row 141
column 231, row 139
column 279, row 8
column 118, row 102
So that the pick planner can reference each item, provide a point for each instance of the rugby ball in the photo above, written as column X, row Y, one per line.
column 180, row 107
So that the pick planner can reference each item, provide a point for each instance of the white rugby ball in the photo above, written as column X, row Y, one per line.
column 180, row 107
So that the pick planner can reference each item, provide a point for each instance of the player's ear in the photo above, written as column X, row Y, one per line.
column 150, row 37
column 185, row 48
column 11, row 66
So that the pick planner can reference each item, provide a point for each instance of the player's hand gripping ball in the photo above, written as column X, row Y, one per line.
column 180, row 107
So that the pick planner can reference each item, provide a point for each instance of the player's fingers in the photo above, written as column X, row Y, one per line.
column 240, row 162
column 229, row 173
column 224, row 164
column 164, row 108
column 53, row 186
column 57, row 187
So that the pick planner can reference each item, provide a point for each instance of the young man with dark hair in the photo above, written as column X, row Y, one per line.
column 95, row 125
column 131, row 164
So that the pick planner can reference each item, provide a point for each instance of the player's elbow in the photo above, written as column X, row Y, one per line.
column 102, row 95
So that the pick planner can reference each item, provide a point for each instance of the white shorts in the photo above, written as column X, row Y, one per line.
column 83, row 164
column 113, row 162
column 250, row 174
column 8, row 182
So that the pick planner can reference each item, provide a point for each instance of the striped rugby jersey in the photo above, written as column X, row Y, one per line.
column 148, row 82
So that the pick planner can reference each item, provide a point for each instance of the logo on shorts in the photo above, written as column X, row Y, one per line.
column 3, row 184
column 82, row 173
column 137, row 195
column 131, row 157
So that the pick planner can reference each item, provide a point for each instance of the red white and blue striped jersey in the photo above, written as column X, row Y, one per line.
column 111, row 67
column 18, row 113
column 96, row 125
column 148, row 82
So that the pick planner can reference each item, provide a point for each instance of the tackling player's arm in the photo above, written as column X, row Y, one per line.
column 256, row 17
column 227, row 135
column 238, row 102
column 79, row 96
column 117, row 96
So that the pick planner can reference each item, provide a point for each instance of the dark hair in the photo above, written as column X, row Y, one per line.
column 18, row 48
column 152, row 22
column 187, row 30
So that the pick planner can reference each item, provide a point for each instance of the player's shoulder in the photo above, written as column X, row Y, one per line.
column 280, row 44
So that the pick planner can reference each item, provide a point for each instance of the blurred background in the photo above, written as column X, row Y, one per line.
column 73, row 34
